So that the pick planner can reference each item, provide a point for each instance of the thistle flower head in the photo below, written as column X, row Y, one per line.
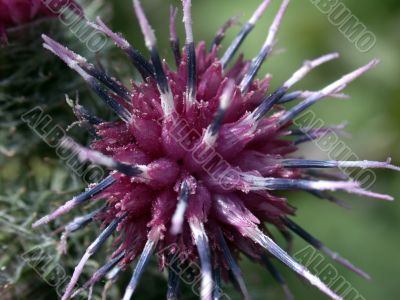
column 18, row 12
column 196, row 156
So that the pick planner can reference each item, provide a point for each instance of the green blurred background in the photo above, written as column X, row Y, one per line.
column 368, row 233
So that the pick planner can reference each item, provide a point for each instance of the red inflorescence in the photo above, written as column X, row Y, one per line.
column 196, row 157
column 18, row 12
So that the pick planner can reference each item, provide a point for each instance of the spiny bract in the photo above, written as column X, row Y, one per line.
column 195, row 158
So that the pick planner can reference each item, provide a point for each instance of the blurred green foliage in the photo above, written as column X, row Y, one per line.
column 367, row 234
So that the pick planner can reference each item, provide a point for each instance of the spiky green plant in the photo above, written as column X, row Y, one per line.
column 31, row 77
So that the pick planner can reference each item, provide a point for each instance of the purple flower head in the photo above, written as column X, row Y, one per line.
column 18, row 12
column 196, row 156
